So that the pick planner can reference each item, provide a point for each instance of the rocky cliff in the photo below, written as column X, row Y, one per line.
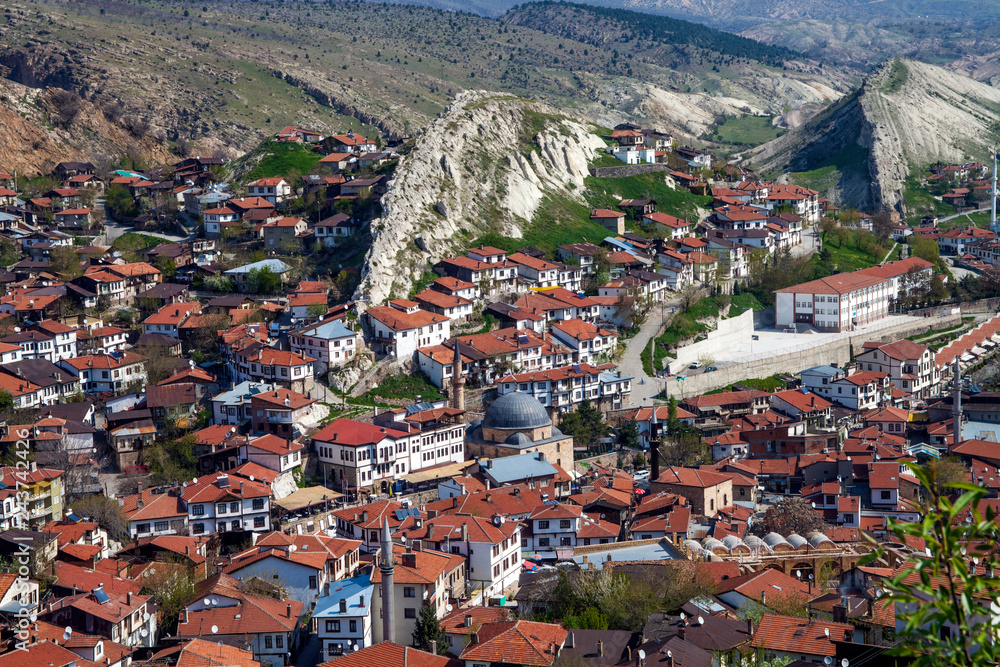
column 484, row 165
column 907, row 114
column 40, row 128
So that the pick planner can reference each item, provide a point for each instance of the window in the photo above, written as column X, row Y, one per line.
column 354, row 626
column 542, row 525
column 198, row 510
column 564, row 523
column 234, row 507
column 221, row 508
column 329, row 626
column 198, row 528
column 408, row 592
column 268, row 641
column 258, row 522
column 409, row 612
column 258, row 503
column 279, row 641
column 312, row 582
column 543, row 541
column 336, row 626
column 886, row 495
column 161, row 525
column 143, row 528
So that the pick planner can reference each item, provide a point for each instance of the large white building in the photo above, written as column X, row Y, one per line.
column 356, row 454
column 401, row 327
column 840, row 302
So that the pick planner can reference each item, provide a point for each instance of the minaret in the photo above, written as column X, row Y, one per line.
column 457, row 381
column 956, row 406
column 385, row 566
column 993, row 196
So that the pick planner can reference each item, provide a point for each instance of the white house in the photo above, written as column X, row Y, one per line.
column 274, row 189
column 840, row 302
column 220, row 503
column 329, row 343
column 343, row 617
column 401, row 327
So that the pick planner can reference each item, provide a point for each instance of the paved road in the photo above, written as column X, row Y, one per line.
column 958, row 271
column 810, row 243
column 644, row 388
column 958, row 215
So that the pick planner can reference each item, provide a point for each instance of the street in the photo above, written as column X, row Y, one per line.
column 810, row 243
column 644, row 388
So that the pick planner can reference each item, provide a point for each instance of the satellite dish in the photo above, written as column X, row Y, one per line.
column 194, row 481
column 670, row 654
column 448, row 608
column 146, row 617
column 845, row 662
column 355, row 647
column 826, row 631
column 827, row 660
column 642, row 654
column 798, row 573
column 207, row 602
column 251, row 478
column 69, row 630
column 683, row 616
column 813, row 505
column 215, row 601
column 144, row 632
column 232, row 429
column 701, row 621
column 215, row 629
column 66, row 636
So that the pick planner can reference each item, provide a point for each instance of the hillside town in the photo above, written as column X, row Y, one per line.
column 218, row 451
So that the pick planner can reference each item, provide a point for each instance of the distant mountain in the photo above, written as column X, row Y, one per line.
column 907, row 115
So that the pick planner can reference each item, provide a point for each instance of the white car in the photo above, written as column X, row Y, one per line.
column 641, row 475
column 695, row 364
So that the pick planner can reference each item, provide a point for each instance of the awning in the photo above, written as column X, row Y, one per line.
column 439, row 472
column 313, row 495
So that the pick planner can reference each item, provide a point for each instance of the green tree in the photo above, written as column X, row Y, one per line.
column 428, row 629
column 172, row 589
column 172, row 460
column 925, row 248
column 65, row 262
column 262, row 281
column 586, row 424
column 947, row 595
column 628, row 434
column 168, row 267
column 119, row 201
column 105, row 511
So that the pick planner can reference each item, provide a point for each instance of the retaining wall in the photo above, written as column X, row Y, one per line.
column 627, row 170
column 729, row 332
column 838, row 352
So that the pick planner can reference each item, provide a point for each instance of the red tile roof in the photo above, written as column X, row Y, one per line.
column 388, row 654
column 799, row 635
column 526, row 643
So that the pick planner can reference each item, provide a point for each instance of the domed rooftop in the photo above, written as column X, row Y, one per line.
column 516, row 411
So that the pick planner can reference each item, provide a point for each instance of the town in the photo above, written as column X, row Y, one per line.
column 686, row 437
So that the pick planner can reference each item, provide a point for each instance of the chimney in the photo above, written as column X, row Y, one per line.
column 763, row 598
column 409, row 559
column 434, row 647
column 475, row 638
column 570, row 640
column 343, row 606
column 600, row 648
column 288, row 610
column 465, row 529
column 128, row 599
column 185, row 615
column 468, row 620
column 681, row 631
column 750, row 627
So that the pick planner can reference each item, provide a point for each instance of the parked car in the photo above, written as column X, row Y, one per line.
column 695, row 364
column 711, row 368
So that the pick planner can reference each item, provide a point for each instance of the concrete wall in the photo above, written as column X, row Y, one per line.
column 729, row 332
column 627, row 170
column 839, row 352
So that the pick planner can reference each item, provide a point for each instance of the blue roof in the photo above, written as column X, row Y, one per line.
column 607, row 376
column 242, row 391
column 510, row 468
column 656, row 551
column 823, row 370
column 350, row 590
column 329, row 329
column 276, row 266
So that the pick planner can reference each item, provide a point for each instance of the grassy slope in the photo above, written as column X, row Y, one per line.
column 280, row 159
column 747, row 131
column 562, row 219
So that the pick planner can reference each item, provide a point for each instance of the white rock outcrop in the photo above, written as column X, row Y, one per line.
column 485, row 165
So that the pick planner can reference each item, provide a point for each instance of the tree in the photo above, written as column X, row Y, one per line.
column 172, row 589
column 428, row 629
column 882, row 224
column 628, row 434
column 262, row 281
column 586, row 424
column 65, row 262
column 105, row 511
column 167, row 266
column 947, row 594
column 790, row 515
column 119, row 201
column 683, row 448
column 172, row 460
column 925, row 248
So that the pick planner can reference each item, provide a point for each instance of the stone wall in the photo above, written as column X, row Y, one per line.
column 836, row 352
column 728, row 332
column 627, row 170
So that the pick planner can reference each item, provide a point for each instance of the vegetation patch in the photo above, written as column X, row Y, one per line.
column 770, row 384
column 403, row 387
column 896, row 79
column 283, row 159
column 746, row 131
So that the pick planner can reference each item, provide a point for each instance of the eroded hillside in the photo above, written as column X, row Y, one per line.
column 907, row 114
column 484, row 166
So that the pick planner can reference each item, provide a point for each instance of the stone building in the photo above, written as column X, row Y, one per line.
column 516, row 423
